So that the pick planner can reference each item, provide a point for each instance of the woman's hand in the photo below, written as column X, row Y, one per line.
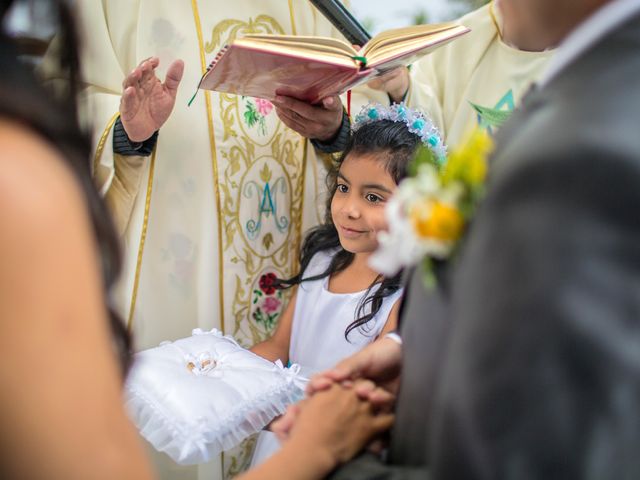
column 337, row 423
column 381, row 400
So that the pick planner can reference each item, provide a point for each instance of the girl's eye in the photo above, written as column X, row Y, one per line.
column 342, row 188
column 373, row 198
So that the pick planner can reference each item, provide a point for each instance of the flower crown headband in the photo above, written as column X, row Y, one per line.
column 417, row 123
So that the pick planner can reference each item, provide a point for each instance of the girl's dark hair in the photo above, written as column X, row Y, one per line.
column 395, row 145
column 55, row 117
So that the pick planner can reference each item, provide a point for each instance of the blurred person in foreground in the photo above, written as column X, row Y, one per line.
column 64, row 352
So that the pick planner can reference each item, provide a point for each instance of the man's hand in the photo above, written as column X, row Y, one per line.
column 146, row 103
column 348, row 423
column 318, row 122
column 380, row 362
column 395, row 82
column 381, row 401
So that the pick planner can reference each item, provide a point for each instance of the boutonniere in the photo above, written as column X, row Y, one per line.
column 428, row 214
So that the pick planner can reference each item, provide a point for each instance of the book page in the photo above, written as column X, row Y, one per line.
column 388, row 50
column 326, row 44
column 400, row 35
column 307, row 47
column 316, row 53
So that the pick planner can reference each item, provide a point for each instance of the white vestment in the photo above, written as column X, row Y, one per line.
column 469, row 82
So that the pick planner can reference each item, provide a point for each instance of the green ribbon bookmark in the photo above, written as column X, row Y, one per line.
column 363, row 60
column 192, row 98
column 198, row 87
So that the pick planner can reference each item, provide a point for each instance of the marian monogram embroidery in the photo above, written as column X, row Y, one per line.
column 267, row 205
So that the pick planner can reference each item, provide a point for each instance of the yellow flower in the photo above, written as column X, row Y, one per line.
column 436, row 220
column 468, row 163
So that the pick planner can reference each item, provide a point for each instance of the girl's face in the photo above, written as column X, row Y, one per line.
column 357, row 207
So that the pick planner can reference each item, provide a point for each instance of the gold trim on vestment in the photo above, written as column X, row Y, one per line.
column 495, row 21
column 305, row 152
column 143, row 238
column 103, row 140
column 212, row 140
column 292, row 17
column 143, row 235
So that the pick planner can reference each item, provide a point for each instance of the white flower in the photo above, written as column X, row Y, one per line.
column 402, row 246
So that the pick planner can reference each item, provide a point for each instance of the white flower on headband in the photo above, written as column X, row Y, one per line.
column 417, row 123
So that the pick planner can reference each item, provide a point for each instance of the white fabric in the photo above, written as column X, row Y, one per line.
column 200, row 395
column 395, row 337
column 317, row 337
column 321, row 318
column 603, row 21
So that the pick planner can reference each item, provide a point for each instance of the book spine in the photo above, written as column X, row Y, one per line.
column 217, row 57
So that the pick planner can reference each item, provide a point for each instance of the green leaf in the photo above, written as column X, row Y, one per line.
column 491, row 116
column 423, row 156
column 250, row 115
column 428, row 275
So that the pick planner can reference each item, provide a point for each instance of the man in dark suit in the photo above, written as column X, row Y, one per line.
column 524, row 361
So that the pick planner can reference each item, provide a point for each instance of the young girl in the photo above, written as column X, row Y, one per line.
column 340, row 303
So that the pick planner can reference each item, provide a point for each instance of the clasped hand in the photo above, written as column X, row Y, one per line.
column 354, row 401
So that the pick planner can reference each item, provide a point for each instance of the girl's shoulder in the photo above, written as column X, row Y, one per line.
column 320, row 262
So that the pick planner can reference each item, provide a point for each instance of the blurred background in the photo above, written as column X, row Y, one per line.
column 378, row 15
column 29, row 19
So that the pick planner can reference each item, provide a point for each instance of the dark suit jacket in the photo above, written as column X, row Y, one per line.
column 525, row 363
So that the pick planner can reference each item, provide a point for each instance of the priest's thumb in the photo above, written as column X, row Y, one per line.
column 330, row 103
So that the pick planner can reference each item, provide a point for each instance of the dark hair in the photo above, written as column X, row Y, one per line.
column 395, row 145
column 55, row 118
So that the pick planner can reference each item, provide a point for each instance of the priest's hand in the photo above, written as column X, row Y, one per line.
column 318, row 122
column 146, row 102
column 395, row 82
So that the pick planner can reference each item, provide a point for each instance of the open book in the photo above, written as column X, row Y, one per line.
column 311, row 68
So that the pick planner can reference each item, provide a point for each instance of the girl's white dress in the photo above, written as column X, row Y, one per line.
column 317, row 337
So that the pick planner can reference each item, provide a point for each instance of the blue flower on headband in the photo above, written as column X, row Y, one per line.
column 417, row 123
